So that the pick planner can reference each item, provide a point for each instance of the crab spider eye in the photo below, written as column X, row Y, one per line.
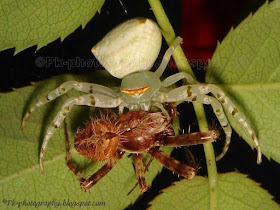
column 136, row 91
column 130, row 47
column 98, row 140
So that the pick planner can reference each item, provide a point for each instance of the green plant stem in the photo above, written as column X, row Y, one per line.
column 210, row 157
column 183, row 66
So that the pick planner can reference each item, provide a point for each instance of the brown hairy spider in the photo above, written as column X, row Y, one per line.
column 136, row 132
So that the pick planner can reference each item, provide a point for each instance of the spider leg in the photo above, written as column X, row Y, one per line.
column 68, row 159
column 149, row 163
column 146, row 169
column 96, row 100
column 190, row 158
column 187, row 139
column 167, row 56
column 197, row 93
column 218, row 110
column 164, row 111
column 91, row 181
column 174, row 165
column 177, row 77
column 220, row 95
column 172, row 110
column 140, row 172
column 121, row 108
column 193, row 94
column 64, row 88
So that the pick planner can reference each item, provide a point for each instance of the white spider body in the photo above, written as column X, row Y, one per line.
column 140, row 88
column 141, row 36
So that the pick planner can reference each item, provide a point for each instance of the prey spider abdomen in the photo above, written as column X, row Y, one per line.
column 97, row 141
column 135, row 132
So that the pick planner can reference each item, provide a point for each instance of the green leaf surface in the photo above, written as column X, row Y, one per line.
column 235, row 191
column 24, row 23
column 20, row 178
column 246, row 65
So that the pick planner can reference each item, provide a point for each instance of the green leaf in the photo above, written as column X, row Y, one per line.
column 246, row 65
column 24, row 23
column 20, row 178
column 235, row 191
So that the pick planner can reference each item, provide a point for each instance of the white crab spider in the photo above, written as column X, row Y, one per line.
column 140, row 39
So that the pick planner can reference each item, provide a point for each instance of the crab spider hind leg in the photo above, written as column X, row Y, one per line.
column 176, row 77
column 167, row 56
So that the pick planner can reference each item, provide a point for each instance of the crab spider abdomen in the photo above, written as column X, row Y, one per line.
column 130, row 47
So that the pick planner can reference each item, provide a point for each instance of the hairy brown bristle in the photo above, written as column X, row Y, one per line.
column 108, row 114
column 98, row 140
column 141, row 128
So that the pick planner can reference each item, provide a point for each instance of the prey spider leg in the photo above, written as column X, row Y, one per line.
column 146, row 169
column 68, row 156
column 140, row 172
column 91, row 181
column 190, row 158
column 187, row 139
column 182, row 140
column 179, row 168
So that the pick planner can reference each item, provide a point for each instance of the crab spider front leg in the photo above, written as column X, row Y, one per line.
column 220, row 95
column 197, row 93
column 218, row 110
column 225, row 101
column 64, row 88
column 97, row 100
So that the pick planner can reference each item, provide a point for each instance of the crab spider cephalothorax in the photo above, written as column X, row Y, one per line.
column 128, row 52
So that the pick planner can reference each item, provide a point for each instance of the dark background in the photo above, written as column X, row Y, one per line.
column 201, row 23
